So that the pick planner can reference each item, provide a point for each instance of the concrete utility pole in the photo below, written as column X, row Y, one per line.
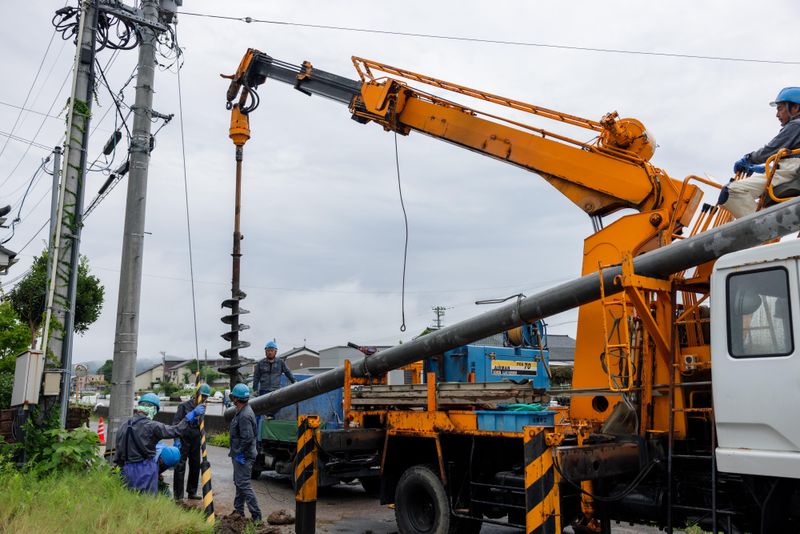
column 53, row 207
column 126, row 339
column 66, row 231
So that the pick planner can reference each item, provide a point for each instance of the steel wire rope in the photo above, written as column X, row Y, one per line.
column 185, row 190
column 497, row 41
column 405, row 222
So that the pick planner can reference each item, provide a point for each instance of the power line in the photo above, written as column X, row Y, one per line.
column 29, row 110
column 186, row 192
column 39, row 231
column 498, row 41
column 23, row 140
column 17, row 219
column 35, row 135
column 30, row 90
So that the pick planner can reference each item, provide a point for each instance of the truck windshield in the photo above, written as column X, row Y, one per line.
column 759, row 317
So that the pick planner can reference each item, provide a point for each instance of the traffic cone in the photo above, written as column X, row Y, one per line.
column 101, row 431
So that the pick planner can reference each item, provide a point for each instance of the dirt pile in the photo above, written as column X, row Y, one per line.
column 281, row 517
column 237, row 524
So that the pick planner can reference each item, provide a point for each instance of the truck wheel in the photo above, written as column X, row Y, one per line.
column 421, row 505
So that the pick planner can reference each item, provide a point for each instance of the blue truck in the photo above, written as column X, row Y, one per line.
column 349, row 454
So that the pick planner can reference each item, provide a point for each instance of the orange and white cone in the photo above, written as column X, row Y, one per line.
column 101, row 431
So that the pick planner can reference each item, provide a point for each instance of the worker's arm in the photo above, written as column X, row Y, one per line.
column 162, row 431
column 180, row 413
column 256, row 377
column 288, row 372
column 788, row 137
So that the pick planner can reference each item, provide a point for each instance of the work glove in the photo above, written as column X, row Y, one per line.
column 176, row 443
column 742, row 165
column 239, row 458
column 761, row 169
column 198, row 411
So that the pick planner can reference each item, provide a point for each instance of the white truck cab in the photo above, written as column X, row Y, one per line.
column 755, row 332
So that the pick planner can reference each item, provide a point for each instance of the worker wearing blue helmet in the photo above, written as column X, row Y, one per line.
column 167, row 457
column 739, row 197
column 189, row 445
column 267, row 372
column 137, row 439
column 242, row 433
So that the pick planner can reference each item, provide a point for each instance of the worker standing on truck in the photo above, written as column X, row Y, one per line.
column 189, row 445
column 740, row 197
column 243, row 452
column 267, row 375
column 137, row 439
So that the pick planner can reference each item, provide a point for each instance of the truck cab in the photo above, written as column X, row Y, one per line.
column 755, row 314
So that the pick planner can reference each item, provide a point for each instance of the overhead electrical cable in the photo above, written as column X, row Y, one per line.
column 30, row 90
column 17, row 219
column 497, row 41
column 185, row 191
column 27, row 141
column 38, row 130
column 30, row 110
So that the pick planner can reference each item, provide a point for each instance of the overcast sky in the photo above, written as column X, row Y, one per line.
column 321, row 214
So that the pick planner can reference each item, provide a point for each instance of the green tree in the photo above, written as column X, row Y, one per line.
column 28, row 297
column 105, row 370
column 207, row 373
column 15, row 337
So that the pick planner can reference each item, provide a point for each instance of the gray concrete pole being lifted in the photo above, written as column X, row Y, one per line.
column 66, row 219
column 743, row 233
column 126, row 338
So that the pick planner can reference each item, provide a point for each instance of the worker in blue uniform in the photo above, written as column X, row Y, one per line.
column 137, row 439
column 739, row 197
column 243, row 452
column 267, row 373
column 189, row 445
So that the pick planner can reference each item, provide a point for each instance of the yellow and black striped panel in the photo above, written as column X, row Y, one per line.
column 305, row 471
column 205, row 476
column 542, row 509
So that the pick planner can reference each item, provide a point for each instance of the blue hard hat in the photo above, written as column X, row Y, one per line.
column 271, row 345
column 787, row 94
column 169, row 455
column 241, row 391
column 204, row 389
column 151, row 398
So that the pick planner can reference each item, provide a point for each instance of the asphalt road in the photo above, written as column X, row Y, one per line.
column 341, row 509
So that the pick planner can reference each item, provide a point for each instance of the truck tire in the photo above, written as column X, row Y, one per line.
column 421, row 504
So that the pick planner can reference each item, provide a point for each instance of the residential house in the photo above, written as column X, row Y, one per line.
column 7, row 259
column 300, row 358
column 167, row 369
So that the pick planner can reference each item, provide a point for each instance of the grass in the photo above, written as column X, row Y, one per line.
column 93, row 501
column 223, row 439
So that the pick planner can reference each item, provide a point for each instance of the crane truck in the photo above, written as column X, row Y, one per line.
column 667, row 422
